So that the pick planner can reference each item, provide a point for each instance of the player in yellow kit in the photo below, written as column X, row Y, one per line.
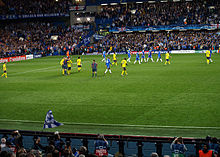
column 62, row 65
column 69, row 64
column 167, row 56
column 123, row 65
column 4, row 70
column 79, row 65
column 114, row 59
column 208, row 55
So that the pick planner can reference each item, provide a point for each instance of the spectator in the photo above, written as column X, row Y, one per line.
column 177, row 147
column 101, row 147
column 205, row 152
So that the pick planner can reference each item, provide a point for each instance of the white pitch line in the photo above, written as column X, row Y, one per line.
column 117, row 125
column 32, row 70
column 35, row 70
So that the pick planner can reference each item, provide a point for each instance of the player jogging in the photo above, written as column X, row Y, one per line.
column 114, row 59
column 150, row 55
column 159, row 56
column 69, row 64
column 167, row 55
column 79, row 64
column 143, row 57
column 107, row 63
column 103, row 55
column 94, row 68
column 137, row 58
column 129, row 55
column 4, row 70
column 208, row 56
column 123, row 65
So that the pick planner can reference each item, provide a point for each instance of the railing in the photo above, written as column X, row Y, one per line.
column 120, row 139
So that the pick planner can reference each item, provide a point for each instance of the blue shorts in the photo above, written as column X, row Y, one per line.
column 167, row 59
column 208, row 57
column 94, row 70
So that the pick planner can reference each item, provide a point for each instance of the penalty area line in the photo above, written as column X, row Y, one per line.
column 114, row 125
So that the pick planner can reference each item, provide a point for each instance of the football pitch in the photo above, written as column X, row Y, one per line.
column 180, row 99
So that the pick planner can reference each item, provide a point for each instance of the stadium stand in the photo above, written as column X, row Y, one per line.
column 67, row 144
column 19, row 7
column 154, row 14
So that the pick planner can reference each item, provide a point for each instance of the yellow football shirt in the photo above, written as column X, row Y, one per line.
column 123, row 63
column 207, row 53
column 69, row 62
column 167, row 55
column 78, row 61
column 4, row 67
column 114, row 56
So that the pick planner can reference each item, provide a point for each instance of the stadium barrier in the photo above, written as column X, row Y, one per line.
column 12, row 59
column 138, row 144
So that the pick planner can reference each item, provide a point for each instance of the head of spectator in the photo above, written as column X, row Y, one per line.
column 154, row 155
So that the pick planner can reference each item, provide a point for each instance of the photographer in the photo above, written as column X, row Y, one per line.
column 178, row 148
column 101, row 147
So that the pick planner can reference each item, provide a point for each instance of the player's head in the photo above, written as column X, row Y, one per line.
column 78, row 57
column 94, row 60
column 5, row 62
column 124, row 58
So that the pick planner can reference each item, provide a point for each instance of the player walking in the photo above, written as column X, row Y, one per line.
column 208, row 56
column 137, row 58
column 79, row 64
column 150, row 55
column 123, row 65
column 69, row 64
column 143, row 57
column 4, row 70
column 108, row 63
column 94, row 68
column 167, row 55
column 129, row 55
column 159, row 56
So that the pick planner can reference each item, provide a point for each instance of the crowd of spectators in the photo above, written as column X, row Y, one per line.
column 168, row 13
column 55, row 147
column 19, row 7
column 189, row 40
column 37, row 38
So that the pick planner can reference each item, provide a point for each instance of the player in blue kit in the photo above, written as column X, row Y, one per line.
column 103, row 55
column 159, row 56
column 143, row 57
column 108, row 63
column 129, row 55
column 150, row 55
column 137, row 58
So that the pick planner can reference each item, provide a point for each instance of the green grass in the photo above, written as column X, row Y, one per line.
column 152, row 97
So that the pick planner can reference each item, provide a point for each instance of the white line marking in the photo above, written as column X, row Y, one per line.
column 32, row 70
column 118, row 125
column 35, row 70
